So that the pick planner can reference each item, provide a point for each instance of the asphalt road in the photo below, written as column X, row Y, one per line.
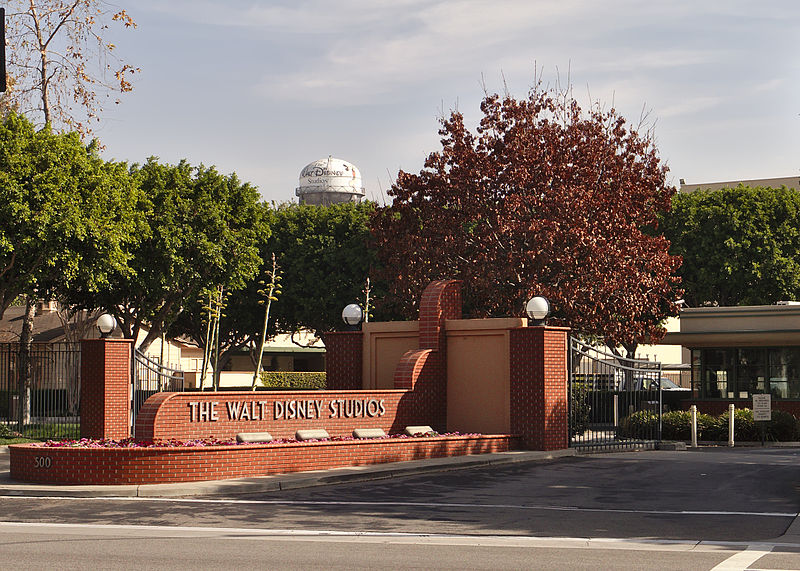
column 641, row 510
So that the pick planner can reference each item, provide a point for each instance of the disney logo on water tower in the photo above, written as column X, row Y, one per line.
column 330, row 181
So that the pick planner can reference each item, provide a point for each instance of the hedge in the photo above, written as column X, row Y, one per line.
column 676, row 425
column 293, row 380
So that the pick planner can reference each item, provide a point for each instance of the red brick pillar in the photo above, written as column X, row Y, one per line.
column 539, row 387
column 343, row 360
column 106, row 388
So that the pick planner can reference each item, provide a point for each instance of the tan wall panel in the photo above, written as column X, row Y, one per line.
column 384, row 344
column 478, row 381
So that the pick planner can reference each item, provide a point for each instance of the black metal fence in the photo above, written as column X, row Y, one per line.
column 151, row 377
column 613, row 402
column 40, row 389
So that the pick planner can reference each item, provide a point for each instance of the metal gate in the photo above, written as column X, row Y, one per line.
column 40, row 389
column 613, row 402
column 150, row 377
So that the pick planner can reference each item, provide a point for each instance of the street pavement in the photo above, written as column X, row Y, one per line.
column 711, row 508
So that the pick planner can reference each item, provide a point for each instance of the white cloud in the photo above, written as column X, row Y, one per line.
column 364, row 78
column 689, row 106
column 769, row 85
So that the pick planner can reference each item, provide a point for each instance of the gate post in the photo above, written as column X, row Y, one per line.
column 105, row 388
column 539, row 387
column 343, row 360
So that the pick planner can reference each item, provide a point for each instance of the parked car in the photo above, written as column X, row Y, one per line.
column 649, row 383
column 667, row 385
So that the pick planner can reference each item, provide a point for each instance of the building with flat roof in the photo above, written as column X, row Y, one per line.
column 740, row 351
column 788, row 181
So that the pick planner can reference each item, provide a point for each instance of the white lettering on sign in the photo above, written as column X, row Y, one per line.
column 356, row 408
column 203, row 411
column 288, row 409
column 41, row 462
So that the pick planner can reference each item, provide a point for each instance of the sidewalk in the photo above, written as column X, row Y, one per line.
column 274, row 483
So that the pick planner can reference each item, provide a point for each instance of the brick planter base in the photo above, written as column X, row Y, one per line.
column 110, row 466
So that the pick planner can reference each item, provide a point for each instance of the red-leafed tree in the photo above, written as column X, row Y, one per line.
column 543, row 199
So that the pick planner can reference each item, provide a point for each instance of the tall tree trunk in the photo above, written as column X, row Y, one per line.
column 24, row 363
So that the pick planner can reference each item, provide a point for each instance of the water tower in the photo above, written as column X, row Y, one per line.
column 330, row 181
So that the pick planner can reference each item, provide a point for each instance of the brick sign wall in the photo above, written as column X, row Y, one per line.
column 222, row 415
column 105, row 466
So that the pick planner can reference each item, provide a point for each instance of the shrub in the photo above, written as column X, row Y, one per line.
column 579, row 409
column 676, row 425
column 782, row 427
column 7, row 433
column 705, row 424
column 293, row 380
column 642, row 424
column 744, row 427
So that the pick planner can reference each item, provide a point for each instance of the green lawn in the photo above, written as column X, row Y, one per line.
column 4, row 441
column 34, row 432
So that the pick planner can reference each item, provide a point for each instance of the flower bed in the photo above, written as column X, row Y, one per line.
column 172, row 443
column 131, row 462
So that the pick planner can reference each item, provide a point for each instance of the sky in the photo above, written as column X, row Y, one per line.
column 263, row 87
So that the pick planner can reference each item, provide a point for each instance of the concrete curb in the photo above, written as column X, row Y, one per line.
column 281, row 482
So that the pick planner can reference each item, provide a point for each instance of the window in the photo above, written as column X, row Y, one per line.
column 718, row 373
column 741, row 372
column 784, row 377
column 751, row 370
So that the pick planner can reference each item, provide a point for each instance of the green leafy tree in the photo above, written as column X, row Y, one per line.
column 221, row 331
column 543, row 199
column 202, row 232
column 67, row 217
column 740, row 246
column 66, row 220
column 59, row 61
column 326, row 255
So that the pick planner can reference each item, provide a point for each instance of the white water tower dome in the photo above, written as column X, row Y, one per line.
column 330, row 181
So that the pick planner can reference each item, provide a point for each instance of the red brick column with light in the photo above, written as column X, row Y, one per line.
column 423, row 370
column 343, row 357
column 539, row 387
column 106, row 388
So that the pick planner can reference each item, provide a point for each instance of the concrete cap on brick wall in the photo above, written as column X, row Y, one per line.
column 412, row 430
column 311, row 434
column 254, row 437
column 368, row 433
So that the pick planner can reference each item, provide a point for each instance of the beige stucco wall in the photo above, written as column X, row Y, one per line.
column 756, row 325
column 385, row 342
column 478, row 374
column 752, row 318
column 663, row 353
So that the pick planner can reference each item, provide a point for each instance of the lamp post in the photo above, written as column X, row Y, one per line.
column 106, row 325
column 537, row 308
column 353, row 315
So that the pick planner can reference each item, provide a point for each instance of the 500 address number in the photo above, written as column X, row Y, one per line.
column 41, row 462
